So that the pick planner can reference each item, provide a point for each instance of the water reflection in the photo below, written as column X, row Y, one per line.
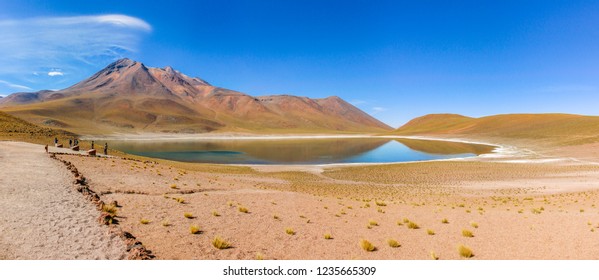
column 303, row 151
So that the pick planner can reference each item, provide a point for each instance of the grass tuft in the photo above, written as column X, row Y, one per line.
column 444, row 221
column 194, row 229
column 467, row 233
column 188, row 215
column 412, row 225
column 367, row 246
column 465, row 252
column 220, row 243
column 144, row 221
column 290, row 231
column 110, row 209
column 243, row 209
column 328, row 236
column 430, row 232
column 393, row 243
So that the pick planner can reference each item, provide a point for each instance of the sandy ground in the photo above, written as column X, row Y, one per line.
column 518, row 205
column 42, row 216
column 521, row 203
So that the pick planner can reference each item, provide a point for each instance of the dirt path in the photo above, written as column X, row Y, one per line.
column 42, row 216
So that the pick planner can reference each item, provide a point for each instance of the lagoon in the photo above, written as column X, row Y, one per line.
column 299, row 151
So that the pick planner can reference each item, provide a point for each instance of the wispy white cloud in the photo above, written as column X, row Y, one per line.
column 34, row 48
column 14, row 86
column 120, row 20
column 55, row 73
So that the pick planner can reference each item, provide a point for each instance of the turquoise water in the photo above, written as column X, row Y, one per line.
column 304, row 151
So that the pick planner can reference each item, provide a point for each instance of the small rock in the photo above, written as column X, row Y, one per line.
column 80, row 180
column 105, row 218
column 94, row 197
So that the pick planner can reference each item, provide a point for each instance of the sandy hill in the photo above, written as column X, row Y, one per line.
column 552, row 127
column 127, row 96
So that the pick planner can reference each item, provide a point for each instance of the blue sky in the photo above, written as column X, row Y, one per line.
column 393, row 59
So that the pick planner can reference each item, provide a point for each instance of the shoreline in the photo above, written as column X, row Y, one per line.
column 499, row 151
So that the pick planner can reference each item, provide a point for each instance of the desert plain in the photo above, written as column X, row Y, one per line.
column 529, row 199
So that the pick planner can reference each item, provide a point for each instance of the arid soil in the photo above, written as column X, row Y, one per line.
column 42, row 216
column 519, row 205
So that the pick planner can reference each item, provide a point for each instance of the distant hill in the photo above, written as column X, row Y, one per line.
column 127, row 96
column 13, row 128
column 557, row 127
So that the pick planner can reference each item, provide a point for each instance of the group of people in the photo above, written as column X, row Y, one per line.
column 75, row 142
column 72, row 142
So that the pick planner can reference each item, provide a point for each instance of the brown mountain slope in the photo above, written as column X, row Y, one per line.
column 12, row 128
column 127, row 96
column 565, row 128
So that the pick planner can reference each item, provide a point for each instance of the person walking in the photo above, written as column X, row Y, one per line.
column 70, row 143
column 46, row 148
column 55, row 141
column 92, row 144
column 105, row 148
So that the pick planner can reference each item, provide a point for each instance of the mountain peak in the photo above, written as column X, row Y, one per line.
column 126, row 95
column 124, row 61
column 121, row 64
column 334, row 97
column 169, row 69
